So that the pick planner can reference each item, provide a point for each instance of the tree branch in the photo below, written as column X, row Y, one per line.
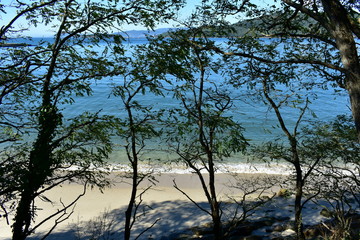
column 62, row 212
column 5, row 28
column 188, row 197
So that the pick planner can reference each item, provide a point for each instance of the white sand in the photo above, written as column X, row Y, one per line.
column 170, row 208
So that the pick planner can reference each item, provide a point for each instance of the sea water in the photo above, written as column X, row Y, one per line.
column 259, row 122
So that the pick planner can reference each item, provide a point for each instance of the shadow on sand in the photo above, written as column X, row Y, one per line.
column 169, row 217
column 174, row 217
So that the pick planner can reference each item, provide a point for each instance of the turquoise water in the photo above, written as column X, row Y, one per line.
column 259, row 122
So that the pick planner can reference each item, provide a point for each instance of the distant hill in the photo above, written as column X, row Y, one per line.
column 143, row 33
column 239, row 29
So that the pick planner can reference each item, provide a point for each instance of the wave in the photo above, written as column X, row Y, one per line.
column 173, row 168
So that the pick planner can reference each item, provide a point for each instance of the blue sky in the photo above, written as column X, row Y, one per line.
column 43, row 31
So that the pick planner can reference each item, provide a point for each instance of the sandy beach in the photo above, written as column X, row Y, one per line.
column 163, row 204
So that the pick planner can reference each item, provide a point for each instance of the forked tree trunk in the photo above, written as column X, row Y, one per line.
column 207, row 143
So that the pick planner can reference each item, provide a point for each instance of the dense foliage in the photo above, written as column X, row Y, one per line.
column 308, row 45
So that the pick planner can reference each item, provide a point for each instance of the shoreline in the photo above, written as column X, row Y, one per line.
column 162, row 200
column 225, row 167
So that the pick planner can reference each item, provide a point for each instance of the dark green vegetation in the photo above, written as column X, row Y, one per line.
column 313, row 44
column 37, row 80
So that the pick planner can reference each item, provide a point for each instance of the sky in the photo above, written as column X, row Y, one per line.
column 45, row 31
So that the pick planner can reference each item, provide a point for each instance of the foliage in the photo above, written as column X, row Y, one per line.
column 39, row 144
column 49, row 75
column 199, row 132
column 138, row 126
column 332, row 27
column 337, row 177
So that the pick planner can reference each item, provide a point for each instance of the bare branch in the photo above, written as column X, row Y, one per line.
column 188, row 197
column 148, row 228
column 62, row 212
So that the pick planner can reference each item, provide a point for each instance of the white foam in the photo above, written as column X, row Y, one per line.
column 225, row 167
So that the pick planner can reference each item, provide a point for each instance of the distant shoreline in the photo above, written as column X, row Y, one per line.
column 14, row 45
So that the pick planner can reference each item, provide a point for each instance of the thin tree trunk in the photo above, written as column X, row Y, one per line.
column 299, row 229
column 298, row 204
column 215, row 206
column 207, row 145
column 129, row 210
column 133, row 157
column 295, row 161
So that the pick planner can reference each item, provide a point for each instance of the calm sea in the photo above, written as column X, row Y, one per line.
column 259, row 122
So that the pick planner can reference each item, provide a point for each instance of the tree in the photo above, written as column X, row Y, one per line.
column 324, row 68
column 319, row 34
column 16, row 72
column 339, row 23
column 139, row 126
column 50, row 74
column 337, row 177
column 200, row 132
column 270, row 82
column 318, row 153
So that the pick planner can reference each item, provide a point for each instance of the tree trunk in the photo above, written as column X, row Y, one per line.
column 298, row 189
column 207, row 144
column 216, row 218
column 23, row 216
column 39, row 167
column 215, row 208
column 129, row 210
column 341, row 31
column 354, row 93
column 133, row 158
column 298, row 207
